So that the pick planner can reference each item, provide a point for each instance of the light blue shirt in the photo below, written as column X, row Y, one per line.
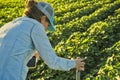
column 18, row 41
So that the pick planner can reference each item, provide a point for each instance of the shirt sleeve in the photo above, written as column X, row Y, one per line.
column 46, row 52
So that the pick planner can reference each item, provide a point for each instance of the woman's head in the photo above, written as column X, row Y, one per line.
column 41, row 12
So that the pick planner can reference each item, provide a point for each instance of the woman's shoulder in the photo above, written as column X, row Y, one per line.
column 35, row 25
column 25, row 18
column 28, row 20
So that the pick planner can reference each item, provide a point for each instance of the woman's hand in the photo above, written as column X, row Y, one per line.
column 80, row 64
column 36, row 54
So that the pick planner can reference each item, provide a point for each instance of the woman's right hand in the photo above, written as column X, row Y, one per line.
column 80, row 64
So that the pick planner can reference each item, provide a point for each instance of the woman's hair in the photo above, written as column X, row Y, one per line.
column 32, row 11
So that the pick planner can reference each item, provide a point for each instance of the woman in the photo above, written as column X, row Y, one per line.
column 20, row 38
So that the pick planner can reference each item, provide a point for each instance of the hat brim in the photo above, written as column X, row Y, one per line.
column 51, row 27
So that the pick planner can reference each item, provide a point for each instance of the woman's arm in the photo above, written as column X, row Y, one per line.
column 46, row 52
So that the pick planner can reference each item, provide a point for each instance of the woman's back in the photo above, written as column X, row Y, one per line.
column 15, row 48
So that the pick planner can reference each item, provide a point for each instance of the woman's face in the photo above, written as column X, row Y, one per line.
column 45, row 22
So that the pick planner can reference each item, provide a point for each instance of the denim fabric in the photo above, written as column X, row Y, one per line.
column 19, row 39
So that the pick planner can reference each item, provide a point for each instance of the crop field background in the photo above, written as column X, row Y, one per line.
column 85, row 28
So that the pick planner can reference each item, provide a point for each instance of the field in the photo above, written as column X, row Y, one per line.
column 85, row 28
